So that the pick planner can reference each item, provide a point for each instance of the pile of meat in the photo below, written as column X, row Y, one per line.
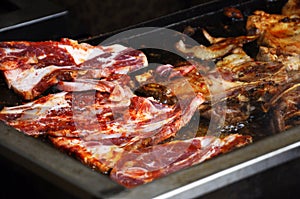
column 124, row 126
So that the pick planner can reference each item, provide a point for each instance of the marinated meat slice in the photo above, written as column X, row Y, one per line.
column 149, row 122
column 31, row 83
column 32, row 67
column 219, row 48
column 119, row 117
column 277, row 31
column 40, row 116
column 285, row 110
column 142, row 166
column 292, row 7
column 102, row 85
column 99, row 155
column 61, row 114
column 236, row 88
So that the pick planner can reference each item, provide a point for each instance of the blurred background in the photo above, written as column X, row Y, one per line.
column 52, row 19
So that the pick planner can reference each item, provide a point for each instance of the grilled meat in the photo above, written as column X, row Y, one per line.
column 219, row 47
column 138, row 167
column 30, row 68
column 279, row 39
column 95, row 116
column 135, row 167
column 292, row 7
column 286, row 108
column 276, row 31
column 137, row 128
column 237, row 88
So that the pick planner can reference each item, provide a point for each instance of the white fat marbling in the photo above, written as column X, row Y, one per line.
column 26, row 80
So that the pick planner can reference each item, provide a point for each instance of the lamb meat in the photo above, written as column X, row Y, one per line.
column 276, row 31
column 30, row 68
column 219, row 48
column 142, row 166
column 285, row 111
column 93, row 115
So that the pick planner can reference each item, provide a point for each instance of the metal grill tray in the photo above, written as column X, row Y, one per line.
column 65, row 172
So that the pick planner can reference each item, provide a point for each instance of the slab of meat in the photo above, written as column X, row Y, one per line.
column 292, row 7
column 99, row 155
column 51, row 112
column 135, row 167
column 236, row 88
column 285, row 108
column 141, row 166
column 32, row 67
column 120, row 116
column 130, row 123
column 219, row 47
column 277, row 31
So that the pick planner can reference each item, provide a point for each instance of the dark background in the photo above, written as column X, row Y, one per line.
column 102, row 16
column 84, row 18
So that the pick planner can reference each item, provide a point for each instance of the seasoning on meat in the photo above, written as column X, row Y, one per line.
column 126, row 125
column 142, row 166
column 30, row 68
column 216, row 50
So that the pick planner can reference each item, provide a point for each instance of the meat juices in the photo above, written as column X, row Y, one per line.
column 30, row 68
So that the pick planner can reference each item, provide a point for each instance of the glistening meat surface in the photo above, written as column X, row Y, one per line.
column 119, row 117
column 141, row 166
column 30, row 68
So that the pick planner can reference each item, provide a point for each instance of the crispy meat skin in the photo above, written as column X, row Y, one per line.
column 219, row 47
column 276, row 31
column 286, row 108
column 134, row 167
column 30, row 68
column 279, row 40
column 292, row 7
column 238, row 86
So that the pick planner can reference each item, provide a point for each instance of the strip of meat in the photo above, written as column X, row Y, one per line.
column 99, row 155
column 102, row 85
column 235, row 89
column 142, row 166
column 276, row 31
column 43, row 115
column 292, row 7
column 135, row 167
column 32, row 67
column 285, row 108
column 147, row 122
column 219, row 48
column 40, row 116
column 119, row 117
